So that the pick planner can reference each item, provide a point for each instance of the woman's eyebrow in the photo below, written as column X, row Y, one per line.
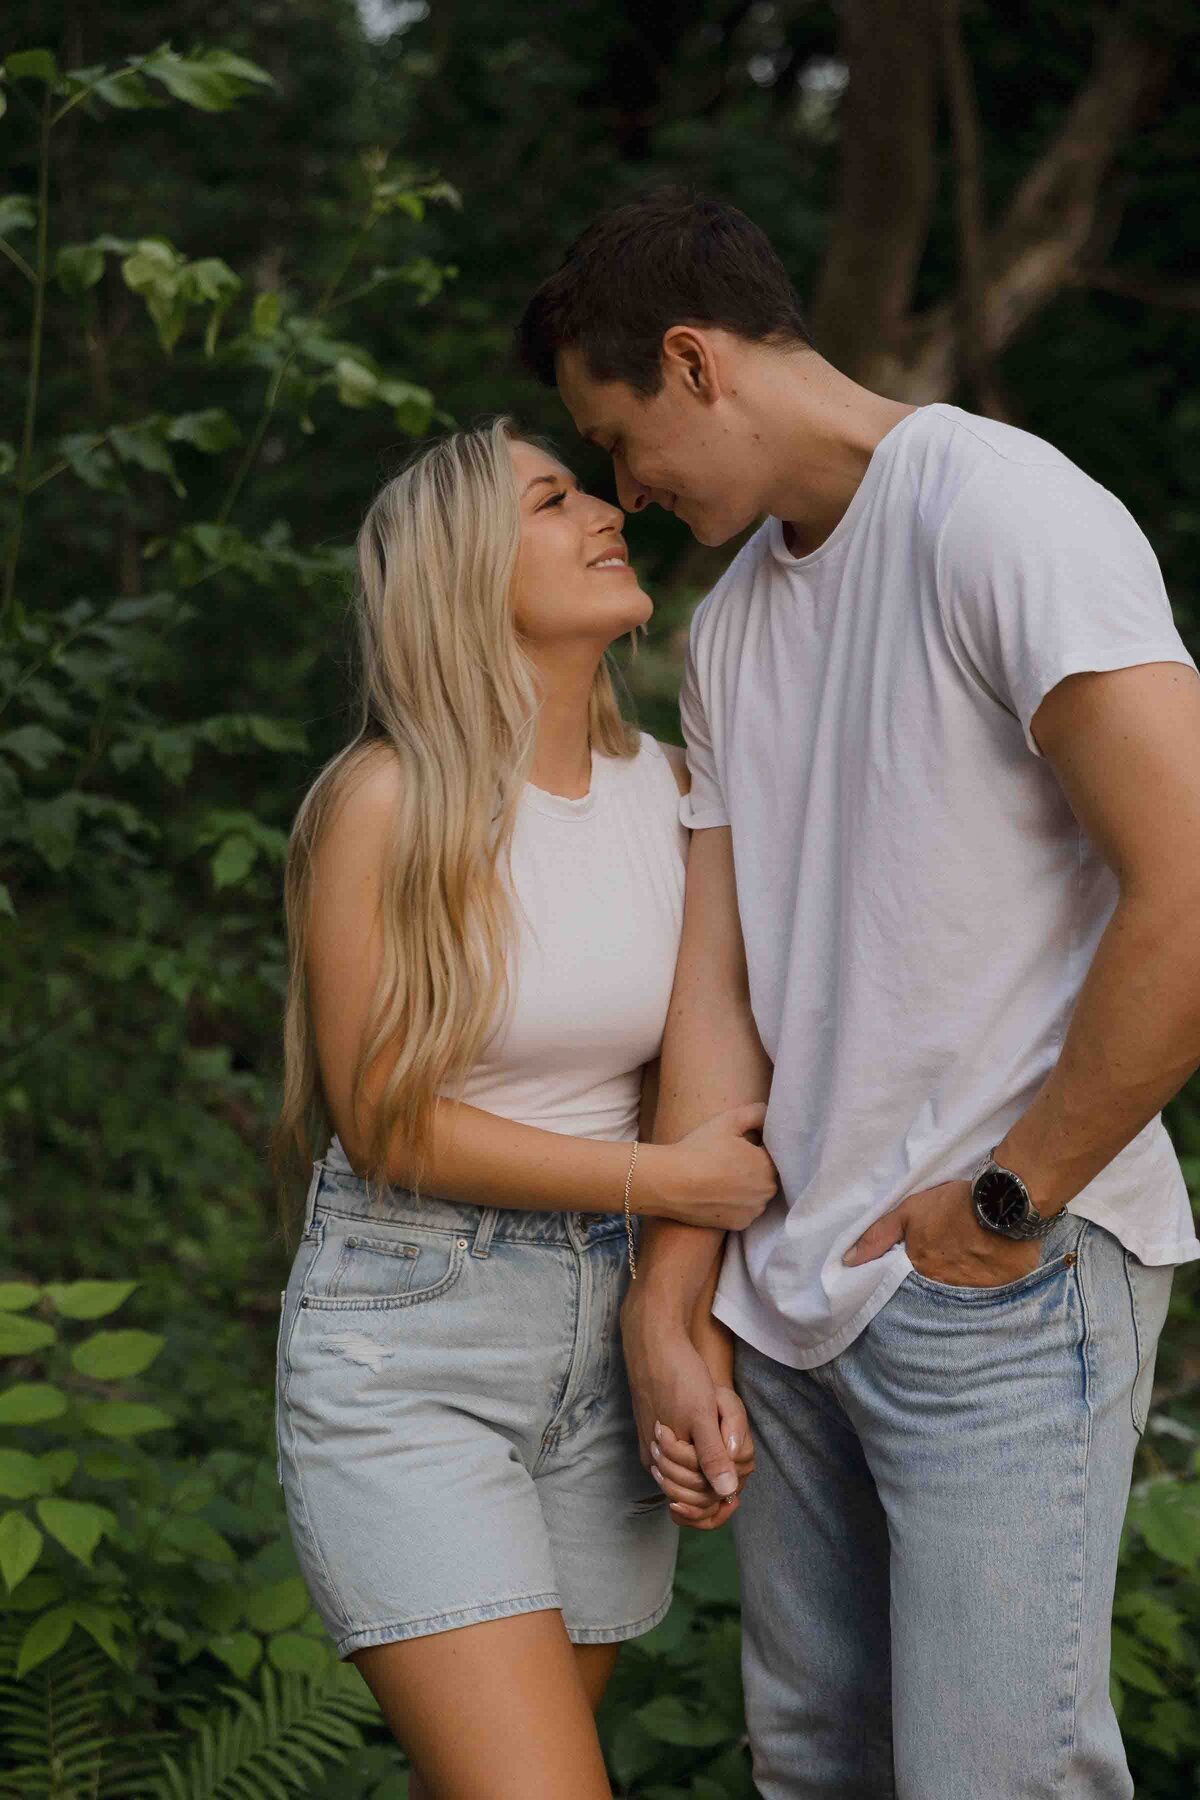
column 552, row 480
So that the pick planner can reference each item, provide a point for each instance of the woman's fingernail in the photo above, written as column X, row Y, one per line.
column 731, row 1440
column 657, row 1429
column 657, row 1476
column 655, row 1451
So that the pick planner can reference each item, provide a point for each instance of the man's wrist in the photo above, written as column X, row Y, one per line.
column 1045, row 1195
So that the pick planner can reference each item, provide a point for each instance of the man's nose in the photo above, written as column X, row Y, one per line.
column 632, row 495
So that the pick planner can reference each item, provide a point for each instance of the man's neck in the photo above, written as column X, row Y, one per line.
column 825, row 431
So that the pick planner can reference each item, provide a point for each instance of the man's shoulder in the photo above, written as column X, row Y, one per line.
column 732, row 591
column 986, row 479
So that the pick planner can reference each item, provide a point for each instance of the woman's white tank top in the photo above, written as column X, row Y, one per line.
column 599, row 889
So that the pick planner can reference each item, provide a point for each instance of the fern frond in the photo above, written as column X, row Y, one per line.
column 268, row 1746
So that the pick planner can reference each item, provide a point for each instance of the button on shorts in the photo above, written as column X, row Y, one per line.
column 455, row 1432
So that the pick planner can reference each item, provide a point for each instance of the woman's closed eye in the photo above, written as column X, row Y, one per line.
column 554, row 500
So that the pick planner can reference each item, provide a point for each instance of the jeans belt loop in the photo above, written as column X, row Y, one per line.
column 484, row 1230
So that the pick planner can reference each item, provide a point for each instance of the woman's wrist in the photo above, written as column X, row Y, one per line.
column 655, row 1183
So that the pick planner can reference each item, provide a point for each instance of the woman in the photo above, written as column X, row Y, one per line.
column 484, row 896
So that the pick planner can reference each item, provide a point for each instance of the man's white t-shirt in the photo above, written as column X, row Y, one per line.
column 918, row 902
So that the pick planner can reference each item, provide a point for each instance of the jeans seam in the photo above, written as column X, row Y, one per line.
column 1085, row 1351
column 1131, row 1284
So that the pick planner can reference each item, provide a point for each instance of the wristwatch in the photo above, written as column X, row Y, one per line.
column 1001, row 1201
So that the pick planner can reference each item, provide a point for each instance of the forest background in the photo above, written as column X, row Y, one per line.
column 251, row 252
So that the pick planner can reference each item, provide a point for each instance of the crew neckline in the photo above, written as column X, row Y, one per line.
column 561, row 806
column 858, row 500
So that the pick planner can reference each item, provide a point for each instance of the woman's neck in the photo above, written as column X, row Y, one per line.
column 562, row 757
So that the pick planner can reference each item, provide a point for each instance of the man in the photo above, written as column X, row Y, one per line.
column 945, row 751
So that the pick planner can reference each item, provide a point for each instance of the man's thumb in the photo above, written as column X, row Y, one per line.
column 715, row 1459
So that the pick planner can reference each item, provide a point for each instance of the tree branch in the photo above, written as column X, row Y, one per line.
column 1040, row 244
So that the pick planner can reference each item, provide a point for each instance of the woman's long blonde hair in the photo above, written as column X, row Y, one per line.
column 444, row 686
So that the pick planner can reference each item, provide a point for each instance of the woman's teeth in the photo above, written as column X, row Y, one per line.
column 611, row 562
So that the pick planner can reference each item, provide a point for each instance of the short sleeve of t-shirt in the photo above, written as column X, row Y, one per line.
column 704, row 804
column 1042, row 573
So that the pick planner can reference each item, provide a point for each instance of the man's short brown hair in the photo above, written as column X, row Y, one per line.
column 671, row 257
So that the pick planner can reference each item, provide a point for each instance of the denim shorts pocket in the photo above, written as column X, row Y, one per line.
column 382, row 1268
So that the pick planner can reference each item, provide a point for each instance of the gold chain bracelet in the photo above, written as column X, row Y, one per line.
column 628, row 1215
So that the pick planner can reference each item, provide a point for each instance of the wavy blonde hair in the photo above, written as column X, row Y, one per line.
column 447, row 689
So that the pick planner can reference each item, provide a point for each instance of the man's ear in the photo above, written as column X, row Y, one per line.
column 688, row 354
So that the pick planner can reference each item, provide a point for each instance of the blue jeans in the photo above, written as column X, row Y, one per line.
column 928, row 1548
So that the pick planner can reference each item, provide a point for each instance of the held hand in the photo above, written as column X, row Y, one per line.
column 669, row 1379
column 718, row 1177
column 678, row 1471
column 946, row 1242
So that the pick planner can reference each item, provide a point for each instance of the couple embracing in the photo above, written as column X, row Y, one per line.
column 918, row 910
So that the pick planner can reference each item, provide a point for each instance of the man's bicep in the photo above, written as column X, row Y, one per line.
column 1125, row 745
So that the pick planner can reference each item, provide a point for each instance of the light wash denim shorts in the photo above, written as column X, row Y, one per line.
column 455, row 1433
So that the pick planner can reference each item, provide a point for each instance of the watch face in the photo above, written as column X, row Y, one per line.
column 1000, row 1199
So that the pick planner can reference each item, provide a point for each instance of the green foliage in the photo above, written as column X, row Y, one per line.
column 238, row 310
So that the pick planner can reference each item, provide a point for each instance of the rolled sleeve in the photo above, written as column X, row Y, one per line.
column 704, row 804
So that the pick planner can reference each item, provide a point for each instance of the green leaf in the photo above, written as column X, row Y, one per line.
column 101, row 1623
column 1131, row 1668
column 126, row 90
column 36, row 1592
column 1168, row 1517
column 35, row 65
column 356, row 385
column 19, row 1336
column 233, row 861
column 91, row 459
column 220, row 1607
column 76, row 1524
column 197, row 1538
column 211, row 431
column 44, row 1637
column 669, row 1720
column 59, row 1466
column 89, row 1299
column 18, row 1296
column 240, row 1651
column 276, row 1607
column 17, row 213
column 109, row 1465
column 412, row 406
column 115, row 1355
column 293, row 1654
column 31, row 1403
column 197, row 80
column 264, row 314
column 123, row 1418
column 144, row 444
column 78, row 267
column 33, row 745
column 20, row 1546
column 7, row 909
column 21, row 1476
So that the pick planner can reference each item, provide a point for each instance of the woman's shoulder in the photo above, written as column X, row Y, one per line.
column 655, row 751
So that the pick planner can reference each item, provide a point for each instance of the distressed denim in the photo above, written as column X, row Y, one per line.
column 455, row 1430
column 928, row 1548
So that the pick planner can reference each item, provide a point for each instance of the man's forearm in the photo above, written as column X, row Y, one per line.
column 696, row 1080
column 1133, row 1040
